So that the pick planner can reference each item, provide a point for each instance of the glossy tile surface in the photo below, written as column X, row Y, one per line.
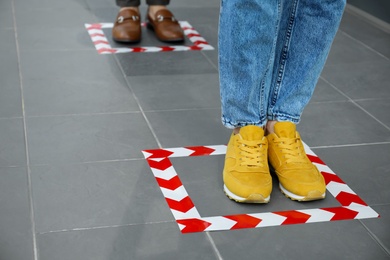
column 74, row 183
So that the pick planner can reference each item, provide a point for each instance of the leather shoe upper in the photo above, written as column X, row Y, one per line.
column 127, row 27
column 166, row 27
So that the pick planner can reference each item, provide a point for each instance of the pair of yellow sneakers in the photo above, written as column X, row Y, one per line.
column 246, row 173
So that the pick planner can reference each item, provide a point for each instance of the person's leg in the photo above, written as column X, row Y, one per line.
column 304, row 42
column 156, row 5
column 247, row 39
column 127, row 26
column 163, row 22
column 128, row 3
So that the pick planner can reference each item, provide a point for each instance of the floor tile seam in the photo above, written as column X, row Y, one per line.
column 330, row 102
column 86, row 162
column 356, row 104
column 214, row 246
column 210, row 61
column 13, row 166
column 104, row 227
column 365, row 45
column 29, row 179
column 84, row 114
column 215, row 249
column 12, row 117
column 349, row 145
column 368, row 18
column 370, row 99
column 375, row 238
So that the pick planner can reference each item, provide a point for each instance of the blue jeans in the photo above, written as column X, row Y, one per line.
column 271, row 54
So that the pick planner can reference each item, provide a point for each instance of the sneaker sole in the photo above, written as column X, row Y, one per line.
column 313, row 195
column 253, row 198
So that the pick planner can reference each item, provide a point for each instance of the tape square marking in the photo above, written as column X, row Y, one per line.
column 189, row 220
column 103, row 46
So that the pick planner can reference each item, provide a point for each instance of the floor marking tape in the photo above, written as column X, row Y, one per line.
column 103, row 46
column 189, row 220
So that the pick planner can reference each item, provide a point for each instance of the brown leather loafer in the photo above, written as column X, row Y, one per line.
column 127, row 27
column 165, row 26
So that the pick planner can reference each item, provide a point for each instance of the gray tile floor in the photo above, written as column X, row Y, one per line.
column 74, row 183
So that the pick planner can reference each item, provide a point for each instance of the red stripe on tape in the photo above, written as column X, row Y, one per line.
column 160, row 165
column 100, row 41
column 293, row 217
column 244, row 221
column 138, row 49
column 183, row 206
column 201, row 42
column 193, row 35
column 200, row 150
column 346, row 199
column 158, row 153
column 315, row 159
column 171, row 184
column 97, row 34
column 103, row 50
column 193, row 225
column 94, row 26
column 166, row 48
column 331, row 177
column 342, row 213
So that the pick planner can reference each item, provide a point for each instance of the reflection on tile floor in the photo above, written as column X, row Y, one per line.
column 74, row 183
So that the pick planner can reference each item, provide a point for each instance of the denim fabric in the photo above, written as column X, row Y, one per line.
column 127, row 3
column 271, row 53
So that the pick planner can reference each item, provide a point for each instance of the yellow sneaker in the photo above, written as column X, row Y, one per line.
column 299, row 179
column 246, row 173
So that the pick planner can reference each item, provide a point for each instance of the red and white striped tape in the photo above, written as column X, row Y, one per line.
column 189, row 219
column 103, row 46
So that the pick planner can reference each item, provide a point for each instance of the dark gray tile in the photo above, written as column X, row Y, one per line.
column 6, row 20
column 87, row 138
column 40, row 18
column 10, row 98
column 204, row 15
column 54, row 39
column 189, row 127
column 361, row 79
column 364, row 168
column 92, row 4
column 348, row 51
column 48, row 96
column 150, row 241
column 339, row 124
column 12, row 146
column 378, row 108
column 96, row 195
column 323, row 241
column 177, row 91
column 202, row 178
column 49, row 5
column 324, row 92
column 379, row 227
column 85, row 66
column 370, row 35
column 165, row 63
column 7, row 42
column 15, row 225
